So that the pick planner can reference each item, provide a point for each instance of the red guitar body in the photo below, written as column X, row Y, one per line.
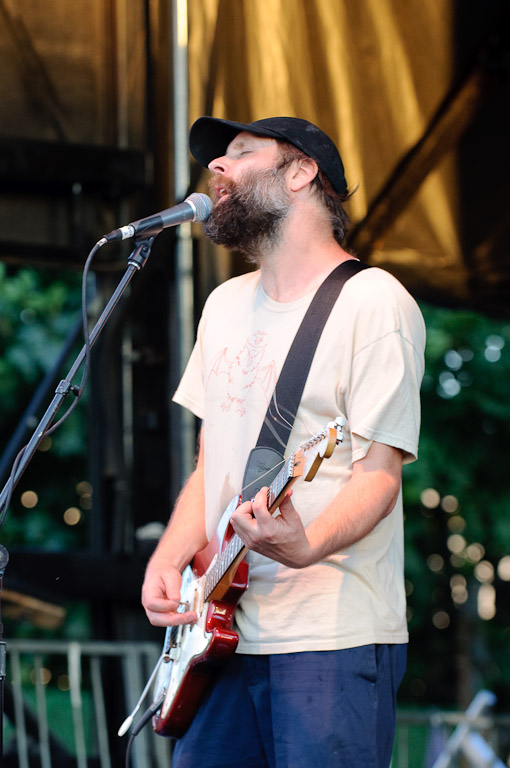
column 195, row 652
column 212, row 587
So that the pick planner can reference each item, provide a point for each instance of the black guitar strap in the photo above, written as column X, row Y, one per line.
column 265, row 459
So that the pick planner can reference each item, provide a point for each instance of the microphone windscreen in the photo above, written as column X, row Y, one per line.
column 202, row 204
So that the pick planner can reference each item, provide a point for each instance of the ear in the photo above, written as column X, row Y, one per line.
column 302, row 172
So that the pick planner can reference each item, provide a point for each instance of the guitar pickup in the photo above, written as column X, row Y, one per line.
column 175, row 653
column 172, row 644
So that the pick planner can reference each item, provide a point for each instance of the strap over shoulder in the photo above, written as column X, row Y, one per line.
column 291, row 382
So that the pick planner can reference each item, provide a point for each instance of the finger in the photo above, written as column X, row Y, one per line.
column 244, row 510
column 170, row 618
column 241, row 521
column 243, row 518
column 260, row 504
column 161, row 605
column 286, row 504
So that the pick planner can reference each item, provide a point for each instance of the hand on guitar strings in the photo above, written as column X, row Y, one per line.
column 161, row 596
column 281, row 538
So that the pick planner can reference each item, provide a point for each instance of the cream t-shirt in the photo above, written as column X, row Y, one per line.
column 367, row 368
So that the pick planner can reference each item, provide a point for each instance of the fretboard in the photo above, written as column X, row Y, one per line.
column 229, row 554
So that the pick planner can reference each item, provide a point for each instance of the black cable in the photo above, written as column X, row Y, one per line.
column 147, row 715
column 78, row 391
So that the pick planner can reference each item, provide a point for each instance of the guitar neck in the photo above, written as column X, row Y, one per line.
column 225, row 565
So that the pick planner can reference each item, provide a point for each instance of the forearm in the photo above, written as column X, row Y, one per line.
column 183, row 538
column 353, row 513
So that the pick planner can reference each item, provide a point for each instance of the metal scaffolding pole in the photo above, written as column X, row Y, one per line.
column 184, row 244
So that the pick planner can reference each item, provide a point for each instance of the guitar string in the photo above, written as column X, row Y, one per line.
column 263, row 475
column 285, row 423
column 312, row 431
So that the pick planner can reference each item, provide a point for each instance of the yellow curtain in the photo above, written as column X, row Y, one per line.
column 371, row 73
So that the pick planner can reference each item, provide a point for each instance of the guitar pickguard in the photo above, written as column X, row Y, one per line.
column 192, row 652
column 184, row 642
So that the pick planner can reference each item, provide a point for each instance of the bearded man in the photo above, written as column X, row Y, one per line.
column 322, row 625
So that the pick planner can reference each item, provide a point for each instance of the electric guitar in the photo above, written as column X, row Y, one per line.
column 212, row 587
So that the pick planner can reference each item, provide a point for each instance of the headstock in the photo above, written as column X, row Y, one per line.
column 320, row 447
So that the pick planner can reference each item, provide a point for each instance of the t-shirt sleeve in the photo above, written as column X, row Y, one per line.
column 383, row 400
column 190, row 392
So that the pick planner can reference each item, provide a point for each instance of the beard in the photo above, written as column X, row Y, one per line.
column 251, row 218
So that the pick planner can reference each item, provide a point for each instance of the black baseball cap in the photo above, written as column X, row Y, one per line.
column 210, row 136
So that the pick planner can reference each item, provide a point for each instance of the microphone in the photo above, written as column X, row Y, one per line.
column 196, row 207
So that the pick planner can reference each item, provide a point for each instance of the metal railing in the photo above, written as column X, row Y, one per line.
column 60, row 713
column 475, row 738
column 66, row 700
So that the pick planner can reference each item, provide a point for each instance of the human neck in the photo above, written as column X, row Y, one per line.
column 299, row 263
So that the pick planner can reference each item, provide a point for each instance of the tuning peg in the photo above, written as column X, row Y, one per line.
column 337, row 424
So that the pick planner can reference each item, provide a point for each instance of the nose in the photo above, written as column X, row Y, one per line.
column 218, row 165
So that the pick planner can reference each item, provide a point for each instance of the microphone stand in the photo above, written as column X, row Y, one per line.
column 4, row 559
column 136, row 261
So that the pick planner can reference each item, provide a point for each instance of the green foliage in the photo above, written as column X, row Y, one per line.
column 37, row 313
column 457, row 537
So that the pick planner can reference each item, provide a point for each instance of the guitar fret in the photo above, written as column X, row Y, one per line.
column 280, row 482
column 222, row 564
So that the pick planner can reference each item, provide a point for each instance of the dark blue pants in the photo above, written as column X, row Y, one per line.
column 325, row 709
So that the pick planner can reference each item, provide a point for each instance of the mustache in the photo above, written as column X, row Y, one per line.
column 251, row 213
column 220, row 182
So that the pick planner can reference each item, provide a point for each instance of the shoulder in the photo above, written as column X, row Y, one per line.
column 374, row 303
column 375, row 280
column 376, row 289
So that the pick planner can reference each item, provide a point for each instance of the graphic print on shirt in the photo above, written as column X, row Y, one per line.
column 245, row 371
